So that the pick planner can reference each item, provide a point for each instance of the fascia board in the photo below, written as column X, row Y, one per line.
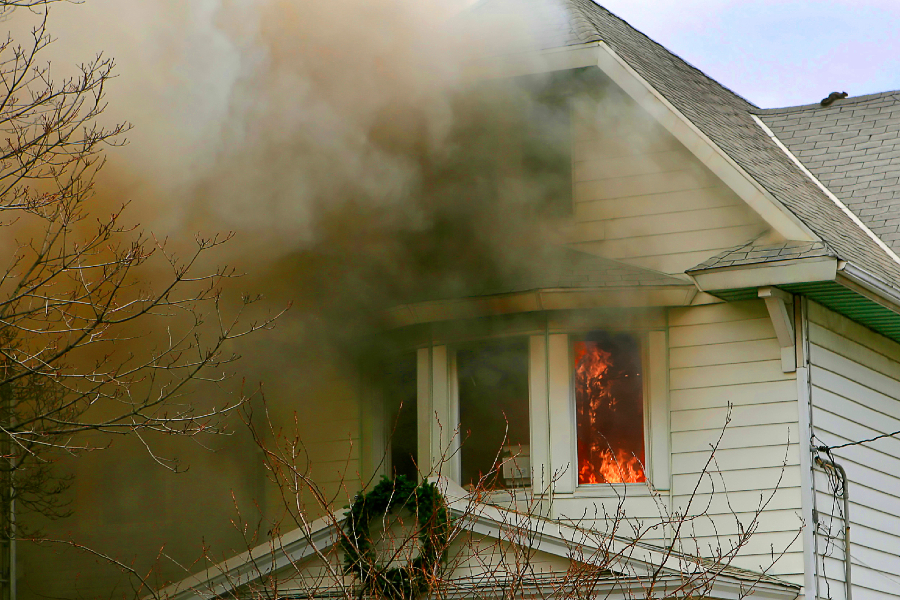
column 556, row 538
column 664, row 587
column 533, row 63
column 804, row 270
column 491, row 521
column 708, row 152
column 540, row 300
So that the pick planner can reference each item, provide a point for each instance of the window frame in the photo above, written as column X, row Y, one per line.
column 551, row 412
column 643, row 344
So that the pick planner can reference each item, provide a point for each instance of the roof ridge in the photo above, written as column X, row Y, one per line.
column 837, row 104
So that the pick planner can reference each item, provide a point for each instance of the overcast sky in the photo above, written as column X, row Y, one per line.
column 779, row 52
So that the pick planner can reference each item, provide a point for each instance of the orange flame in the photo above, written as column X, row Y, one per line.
column 606, row 451
column 606, row 468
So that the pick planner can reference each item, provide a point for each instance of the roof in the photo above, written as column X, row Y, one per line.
column 853, row 147
column 752, row 253
column 557, row 267
column 726, row 118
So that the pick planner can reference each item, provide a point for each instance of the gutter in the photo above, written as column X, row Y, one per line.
column 796, row 271
column 868, row 285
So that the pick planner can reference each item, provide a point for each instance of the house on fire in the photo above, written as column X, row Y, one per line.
column 726, row 271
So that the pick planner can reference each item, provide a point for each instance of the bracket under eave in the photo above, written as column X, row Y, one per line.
column 780, row 306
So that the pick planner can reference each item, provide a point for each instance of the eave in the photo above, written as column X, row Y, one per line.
column 540, row 300
column 840, row 286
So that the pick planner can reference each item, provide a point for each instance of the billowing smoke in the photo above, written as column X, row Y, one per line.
column 360, row 167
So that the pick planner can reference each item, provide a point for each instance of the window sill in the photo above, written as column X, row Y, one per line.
column 617, row 490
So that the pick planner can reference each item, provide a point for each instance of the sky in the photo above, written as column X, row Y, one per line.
column 779, row 53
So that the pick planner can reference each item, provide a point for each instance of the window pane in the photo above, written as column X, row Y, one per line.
column 400, row 408
column 609, row 408
column 493, row 412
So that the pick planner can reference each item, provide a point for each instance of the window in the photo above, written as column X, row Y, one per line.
column 553, row 411
column 492, row 388
column 402, row 419
column 609, row 409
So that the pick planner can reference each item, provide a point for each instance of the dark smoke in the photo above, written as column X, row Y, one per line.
column 359, row 166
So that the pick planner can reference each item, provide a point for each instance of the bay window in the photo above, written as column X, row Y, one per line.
column 577, row 411
column 492, row 390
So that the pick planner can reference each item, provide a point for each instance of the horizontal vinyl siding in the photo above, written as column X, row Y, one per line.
column 721, row 354
column 642, row 197
column 855, row 378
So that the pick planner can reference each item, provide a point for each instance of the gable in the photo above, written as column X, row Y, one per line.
column 473, row 560
column 641, row 196
column 492, row 550
column 715, row 123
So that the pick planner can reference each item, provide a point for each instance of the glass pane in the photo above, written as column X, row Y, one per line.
column 401, row 412
column 493, row 414
column 609, row 408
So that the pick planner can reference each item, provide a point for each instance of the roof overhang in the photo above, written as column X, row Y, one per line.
column 838, row 285
column 599, row 54
column 801, row 270
column 540, row 300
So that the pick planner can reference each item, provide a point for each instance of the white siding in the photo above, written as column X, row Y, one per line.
column 855, row 379
column 721, row 354
column 642, row 197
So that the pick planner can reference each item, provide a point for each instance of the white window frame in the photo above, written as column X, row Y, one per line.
column 551, row 414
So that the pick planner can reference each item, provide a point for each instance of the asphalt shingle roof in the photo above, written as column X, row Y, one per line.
column 723, row 116
column 853, row 147
column 748, row 254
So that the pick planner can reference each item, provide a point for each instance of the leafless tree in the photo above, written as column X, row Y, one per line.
column 104, row 330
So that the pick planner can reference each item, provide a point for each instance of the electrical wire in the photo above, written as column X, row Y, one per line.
column 877, row 437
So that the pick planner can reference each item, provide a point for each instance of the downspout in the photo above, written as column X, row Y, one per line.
column 830, row 464
column 807, row 463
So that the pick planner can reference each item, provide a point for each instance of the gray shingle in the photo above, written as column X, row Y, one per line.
column 868, row 150
column 749, row 254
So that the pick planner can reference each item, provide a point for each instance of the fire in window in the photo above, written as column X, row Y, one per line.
column 609, row 408
column 493, row 412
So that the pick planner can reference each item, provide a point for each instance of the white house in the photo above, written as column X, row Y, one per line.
column 720, row 262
